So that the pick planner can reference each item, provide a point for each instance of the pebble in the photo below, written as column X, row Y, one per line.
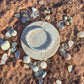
column 5, row 45
column 35, row 68
column 37, row 74
column 65, row 18
column 67, row 56
column 14, row 44
column 8, row 34
column 44, row 74
column 2, row 62
column 4, row 57
column 26, row 66
column 67, row 23
column 58, row 82
column 9, row 52
column 47, row 17
column 62, row 51
column 17, row 15
column 1, row 40
column 35, row 63
column 14, row 33
column 65, row 46
column 60, row 25
column 70, row 43
column 34, row 9
column 70, row 68
column 17, row 54
column 80, row 34
column 26, row 59
column 40, row 81
column 40, row 2
column 43, row 65
column 35, row 14
column 47, row 11
column 13, row 49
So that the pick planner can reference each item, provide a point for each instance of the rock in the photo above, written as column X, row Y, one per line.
column 14, row 44
column 80, row 34
column 37, row 74
column 47, row 17
column 65, row 46
column 40, row 2
column 35, row 14
column 35, row 68
column 67, row 56
column 34, row 9
column 44, row 74
column 65, row 18
column 26, row 59
column 40, row 81
column 1, row 40
column 67, row 23
column 17, row 54
column 62, row 51
column 17, row 15
column 9, row 52
column 58, row 82
column 70, row 68
column 13, row 49
column 14, row 33
column 47, row 11
column 5, row 45
column 35, row 63
column 70, row 43
column 26, row 66
column 43, row 65
column 8, row 34
column 60, row 25
column 2, row 62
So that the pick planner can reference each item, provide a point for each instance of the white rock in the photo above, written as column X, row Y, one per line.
column 67, row 56
column 80, row 34
column 14, row 33
column 70, row 68
column 70, row 43
column 26, row 66
column 37, row 74
column 8, row 34
column 43, row 65
column 26, row 59
column 34, row 9
column 4, row 57
column 5, row 45
column 40, row 2
column 35, row 68
column 58, row 82
column 62, row 51
column 9, row 52
column 44, row 74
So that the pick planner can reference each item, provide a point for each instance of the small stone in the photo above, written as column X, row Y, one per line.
column 17, row 54
column 67, row 56
column 40, row 2
column 65, row 46
column 47, row 11
column 65, row 18
column 60, row 25
column 5, row 45
column 2, row 62
column 35, row 14
column 40, row 81
column 14, row 33
column 17, row 15
column 9, row 52
column 26, row 66
column 70, row 68
column 13, row 49
column 37, row 74
column 26, row 59
column 34, row 9
column 62, row 51
column 44, row 74
column 80, row 34
column 67, row 23
column 58, row 82
column 8, row 34
column 35, row 68
column 14, row 44
column 35, row 63
column 43, row 65
column 70, row 43
column 1, row 40
column 47, row 17
column 4, row 57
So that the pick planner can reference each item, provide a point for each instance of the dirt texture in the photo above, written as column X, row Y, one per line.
column 13, row 71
